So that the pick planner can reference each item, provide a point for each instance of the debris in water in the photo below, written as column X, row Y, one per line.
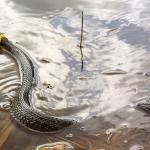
column 44, row 59
column 112, row 30
column 109, row 138
column 48, row 85
column 95, row 116
column 114, row 72
column 82, row 128
column 110, row 131
column 56, row 146
column 137, row 147
column 83, row 77
column 134, row 89
column 147, row 74
column 139, row 73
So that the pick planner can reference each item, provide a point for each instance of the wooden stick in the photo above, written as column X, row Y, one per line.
column 81, row 39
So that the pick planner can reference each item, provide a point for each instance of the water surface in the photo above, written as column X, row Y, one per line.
column 102, row 97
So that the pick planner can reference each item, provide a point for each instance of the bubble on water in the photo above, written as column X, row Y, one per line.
column 125, row 141
column 98, row 134
column 137, row 147
column 70, row 135
column 44, row 17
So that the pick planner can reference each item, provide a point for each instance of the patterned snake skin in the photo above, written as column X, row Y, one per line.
column 20, row 108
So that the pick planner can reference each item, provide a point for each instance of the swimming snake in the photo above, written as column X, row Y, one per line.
column 20, row 108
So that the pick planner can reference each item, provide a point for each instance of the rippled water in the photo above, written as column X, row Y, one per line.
column 115, row 77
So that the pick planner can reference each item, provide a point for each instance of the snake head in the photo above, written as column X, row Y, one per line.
column 2, row 36
column 3, row 39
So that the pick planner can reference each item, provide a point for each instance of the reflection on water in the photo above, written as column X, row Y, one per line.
column 103, row 96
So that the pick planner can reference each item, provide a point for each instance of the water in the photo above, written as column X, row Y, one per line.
column 102, row 97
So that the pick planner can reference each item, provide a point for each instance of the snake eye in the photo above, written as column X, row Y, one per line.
column 74, row 121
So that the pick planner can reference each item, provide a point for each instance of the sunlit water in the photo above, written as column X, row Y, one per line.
column 115, row 77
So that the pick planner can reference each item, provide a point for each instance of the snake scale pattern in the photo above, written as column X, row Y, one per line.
column 20, row 108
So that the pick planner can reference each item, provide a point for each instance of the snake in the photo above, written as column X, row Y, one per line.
column 20, row 108
column 144, row 107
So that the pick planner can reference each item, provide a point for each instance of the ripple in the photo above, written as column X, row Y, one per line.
column 116, row 65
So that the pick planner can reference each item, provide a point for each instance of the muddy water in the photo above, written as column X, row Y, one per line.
column 115, row 77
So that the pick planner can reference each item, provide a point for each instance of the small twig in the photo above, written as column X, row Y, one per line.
column 81, row 39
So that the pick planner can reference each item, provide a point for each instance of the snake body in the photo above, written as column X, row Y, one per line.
column 20, row 108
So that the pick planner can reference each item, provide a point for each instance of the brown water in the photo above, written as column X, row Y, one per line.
column 115, row 77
